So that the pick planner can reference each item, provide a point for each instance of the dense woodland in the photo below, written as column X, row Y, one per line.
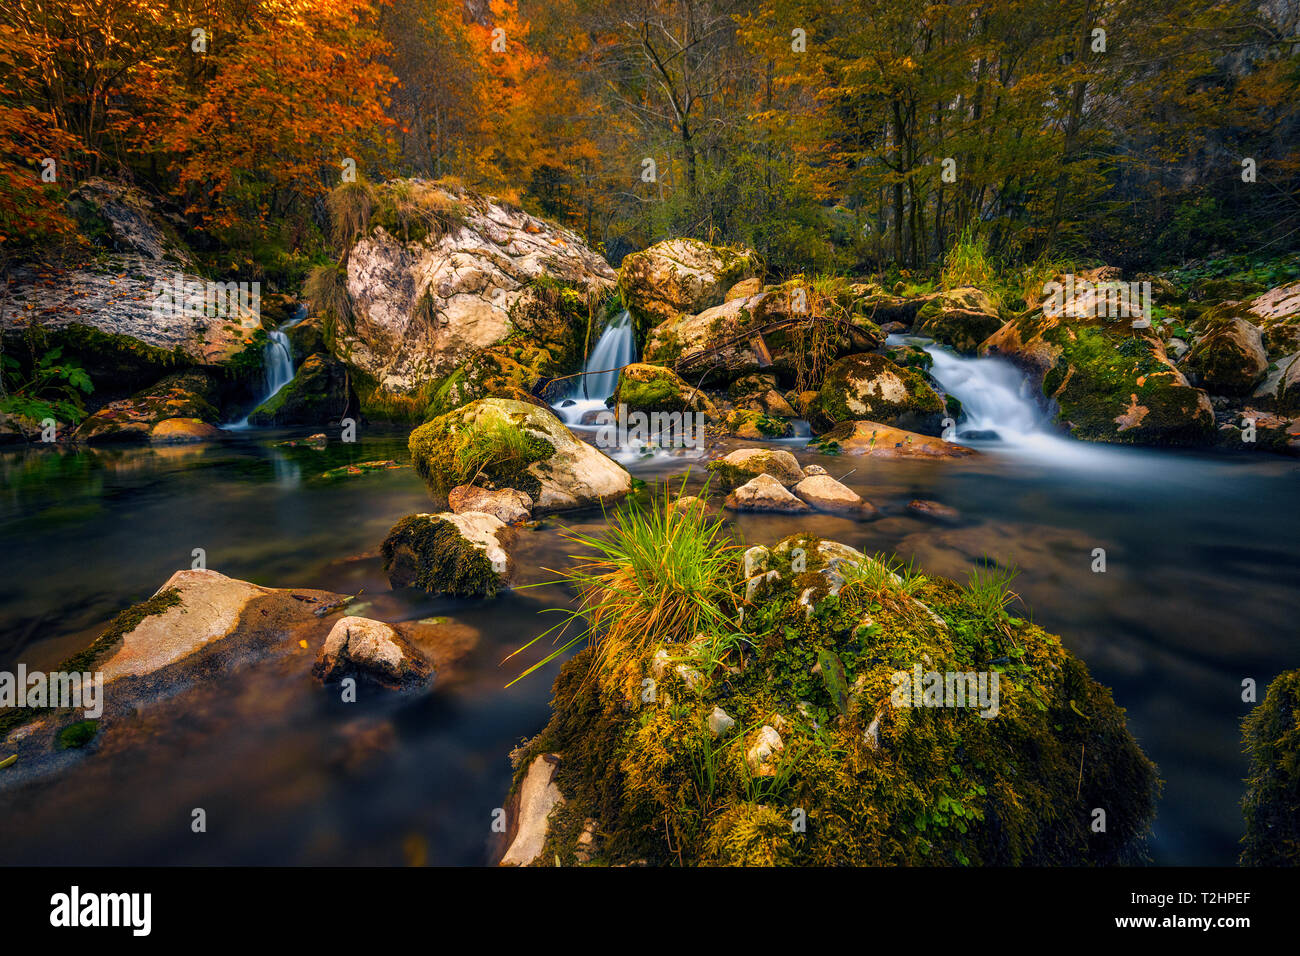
column 819, row 133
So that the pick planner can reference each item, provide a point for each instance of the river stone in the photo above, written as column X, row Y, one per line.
column 962, row 318
column 320, row 393
column 463, row 555
column 883, row 441
column 765, row 493
column 761, row 757
column 538, row 796
column 870, row 386
column 171, row 431
column 360, row 645
column 826, row 494
column 933, row 510
column 189, row 394
column 745, row 463
column 508, row 505
column 574, row 475
column 720, row 722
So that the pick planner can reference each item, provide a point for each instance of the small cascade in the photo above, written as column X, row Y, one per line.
column 996, row 398
column 277, row 362
column 615, row 348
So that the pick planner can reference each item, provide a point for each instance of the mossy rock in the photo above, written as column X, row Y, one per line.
column 189, row 394
column 502, row 443
column 679, row 276
column 448, row 554
column 1110, row 382
column 1229, row 359
column 1271, row 736
column 877, row 777
column 754, row 425
column 320, row 393
column 653, row 388
column 871, row 387
column 741, row 465
column 961, row 318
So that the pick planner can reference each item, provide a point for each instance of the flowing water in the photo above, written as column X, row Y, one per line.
column 277, row 363
column 615, row 348
column 1199, row 593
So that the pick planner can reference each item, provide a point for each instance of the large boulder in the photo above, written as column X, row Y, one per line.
column 181, row 395
column 320, row 393
column 423, row 302
column 962, row 317
column 680, row 276
column 874, row 704
column 765, row 493
column 883, row 441
column 1229, row 359
column 799, row 325
column 500, row 443
column 461, row 555
column 1111, row 382
column 870, row 386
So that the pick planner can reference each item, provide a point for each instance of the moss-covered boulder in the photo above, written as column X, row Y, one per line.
column 866, row 718
column 679, row 276
column 962, row 318
column 793, row 331
column 372, row 649
column 460, row 555
column 1271, row 734
column 189, row 395
column 1111, row 382
column 320, row 393
column 653, row 388
column 755, row 425
column 870, row 386
column 759, row 392
column 500, row 443
column 1228, row 359
column 741, row 465
column 506, row 371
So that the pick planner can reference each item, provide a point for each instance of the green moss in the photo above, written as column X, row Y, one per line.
column 493, row 450
column 442, row 560
column 938, row 786
column 75, row 736
column 766, row 425
column 851, row 378
column 1271, row 736
column 100, row 650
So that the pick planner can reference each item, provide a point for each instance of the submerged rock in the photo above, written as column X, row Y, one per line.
column 360, row 645
column 765, row 493
column 462, row 555
column 743, row 464
column 499, row 443
column 882, row 441
column 933, row 510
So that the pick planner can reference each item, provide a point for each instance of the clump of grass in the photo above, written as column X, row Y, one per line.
column 350, row 206
column 414, row 211
column 491, row 448
column 326, row 289
column 968, row 263
column 657, row 574
column 988, row 593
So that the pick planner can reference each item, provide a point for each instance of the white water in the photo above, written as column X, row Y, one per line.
column 277, row 363
column 1002, row 411
column 615, row 348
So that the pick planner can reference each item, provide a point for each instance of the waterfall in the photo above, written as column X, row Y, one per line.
column 996, row 398
column 277, row 363
column 615, row 348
